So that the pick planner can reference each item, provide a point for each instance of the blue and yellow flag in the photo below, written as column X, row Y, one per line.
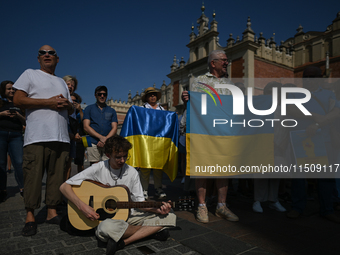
column 154, row 138
column 220, row 139
column 86, row 141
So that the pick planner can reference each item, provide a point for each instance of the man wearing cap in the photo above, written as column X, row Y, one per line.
column 46, row 144
column 100, row 122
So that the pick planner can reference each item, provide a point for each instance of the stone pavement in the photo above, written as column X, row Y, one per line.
column 267, row 233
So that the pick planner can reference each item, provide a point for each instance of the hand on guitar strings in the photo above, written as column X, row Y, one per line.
column 165, row 208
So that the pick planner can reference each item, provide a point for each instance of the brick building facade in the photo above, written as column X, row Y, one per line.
column 249, row 57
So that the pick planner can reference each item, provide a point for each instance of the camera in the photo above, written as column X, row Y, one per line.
column 13, row 109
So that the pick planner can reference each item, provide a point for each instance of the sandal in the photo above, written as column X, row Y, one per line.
column 30, row 229
column 55, row 220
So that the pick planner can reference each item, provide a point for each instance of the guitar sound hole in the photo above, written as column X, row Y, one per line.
column 110, row 205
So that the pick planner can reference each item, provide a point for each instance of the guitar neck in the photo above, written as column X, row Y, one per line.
column 128, row 205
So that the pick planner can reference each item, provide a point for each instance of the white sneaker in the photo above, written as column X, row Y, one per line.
column 277, row 206
column 145, row 193
column 257, row 207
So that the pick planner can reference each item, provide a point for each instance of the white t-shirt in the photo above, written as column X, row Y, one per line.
column 44, row 125
column 103, row 173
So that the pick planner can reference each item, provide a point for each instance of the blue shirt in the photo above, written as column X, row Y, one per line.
column 100, row 120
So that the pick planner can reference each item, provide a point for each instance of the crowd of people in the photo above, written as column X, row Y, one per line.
column 54, row 126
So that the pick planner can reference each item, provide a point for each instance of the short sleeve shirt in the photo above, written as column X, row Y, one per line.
column 100, row 120
column 210, row 80
column 44, row 124
column 103, row 173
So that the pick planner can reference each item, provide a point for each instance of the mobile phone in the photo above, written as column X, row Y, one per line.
column 12, row 110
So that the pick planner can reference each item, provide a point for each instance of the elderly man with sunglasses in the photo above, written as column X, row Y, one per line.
column 100, row 122
column 46, row 144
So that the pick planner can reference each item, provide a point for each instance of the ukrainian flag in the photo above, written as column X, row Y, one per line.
column 86, row 141
column 237, row 144
column 154, row 138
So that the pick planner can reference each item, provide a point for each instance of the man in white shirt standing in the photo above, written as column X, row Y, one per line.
column 46, row 144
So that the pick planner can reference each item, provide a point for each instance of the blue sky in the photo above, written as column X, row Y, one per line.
column 130, row 45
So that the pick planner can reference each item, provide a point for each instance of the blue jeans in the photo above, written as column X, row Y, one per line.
column 11, row 142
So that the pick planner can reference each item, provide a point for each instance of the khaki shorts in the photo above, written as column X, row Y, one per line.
column 115, row 229
column 96, row 154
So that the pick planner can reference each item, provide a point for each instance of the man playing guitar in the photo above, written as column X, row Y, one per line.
column 114, row 171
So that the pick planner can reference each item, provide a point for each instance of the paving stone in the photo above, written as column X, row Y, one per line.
column 5, row 226
column 33, row 243
column 133, row 251
column 18, row 232
column 122, row 252
column 164, row 245
column 188, row 230
column 192, row 253
column 7, row 247
column 4, row 237
column 44, row 234
column 45, row 253
column 70, row 249
column 168, row 252
column 49, row 247
column 216, row 243
column 26, row 251
column 91, row 252
column 182, row 249
column 5, row 218
column 19, row 239
column 257, row 251
column 90, row 245
column 76, row 240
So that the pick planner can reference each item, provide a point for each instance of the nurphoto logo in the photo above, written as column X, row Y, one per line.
column 238, row 104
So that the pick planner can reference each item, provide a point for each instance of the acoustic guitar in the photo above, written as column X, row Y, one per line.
column 110, row 202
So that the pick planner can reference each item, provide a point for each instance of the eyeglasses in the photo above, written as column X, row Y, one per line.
column 222, row 59
column 49, row 52
column 152, row 94
column 125, row 158
column 101, row 94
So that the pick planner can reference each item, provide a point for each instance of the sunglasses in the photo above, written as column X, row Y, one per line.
column 49, row 52
column 101, row 94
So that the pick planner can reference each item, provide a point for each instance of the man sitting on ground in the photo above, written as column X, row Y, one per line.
column 112, row 172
